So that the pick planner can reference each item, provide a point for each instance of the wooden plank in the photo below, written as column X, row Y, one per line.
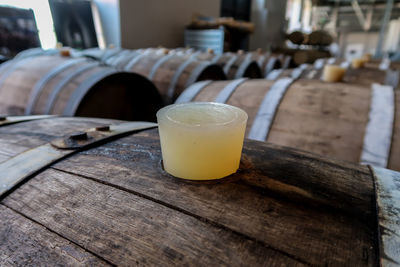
column 318, row 211
column 126, row 229
column 388, row 201
column 25, row 243
column 378, row 133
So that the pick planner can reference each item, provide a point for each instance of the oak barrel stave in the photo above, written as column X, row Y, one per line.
column 75, row 87
column 324, row 118
column 115, row 201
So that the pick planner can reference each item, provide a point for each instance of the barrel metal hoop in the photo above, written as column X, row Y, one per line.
column 270, row 65
column 109, row 53
column 331, row 60
column 242, row 68
column 195, row 54
column 80, row 92
column 196, row 73
column 229, row 64
column 19, row 168
column 191, row 92
column 177, row 75
column 261, row 60
column 37, row 89
column 378, row 133
column 16, row 119
column 11, row 67
column 58, row 88
column 319, row 63
column 269, row 106
column 216, row 58
column 273, row 75
column 297, row 72
column 132, row 62
column 286, row 62
column 387, row 192
column 345, row 64
column 113, row 60
column 158, row 64
column 228, row 90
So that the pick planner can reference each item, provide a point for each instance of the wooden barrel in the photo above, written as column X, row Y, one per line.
column 235, row 65
column 363, row 76
column 75, row 87
column 170, row 73
column 332, row 119
column 113, row 204
column 296, row 37
column 319, row 38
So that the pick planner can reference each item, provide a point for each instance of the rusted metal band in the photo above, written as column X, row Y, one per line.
column 76, row 97
column 158, row 64
column 191, row 92
column 378, row 133
column 37, row 89
column 266, row 112
column 16, row 119
column 273, row 75
column 196, row 73
column 228, row 90
column 270, row 65
column 58, row 88
column 387, row 192
column 177, row 75
column 133, row 61
column 229, row 64
column 19, row 168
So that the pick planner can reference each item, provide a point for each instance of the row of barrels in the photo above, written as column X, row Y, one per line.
column 103, row 92
column 109, row 83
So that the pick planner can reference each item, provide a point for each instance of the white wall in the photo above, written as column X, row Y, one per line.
column 149, row 23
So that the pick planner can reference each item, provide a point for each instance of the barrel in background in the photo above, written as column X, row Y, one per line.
column 53, row 84
column 324, row 118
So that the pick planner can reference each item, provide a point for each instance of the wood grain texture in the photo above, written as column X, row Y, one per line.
column 270, row 202
column 283, row 206
column 26, row 243
column 125, row 228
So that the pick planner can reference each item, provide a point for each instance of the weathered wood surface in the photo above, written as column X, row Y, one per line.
column 27, row 243
column 283, row 206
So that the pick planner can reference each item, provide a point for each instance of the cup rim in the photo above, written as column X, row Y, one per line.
column 239, row 118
